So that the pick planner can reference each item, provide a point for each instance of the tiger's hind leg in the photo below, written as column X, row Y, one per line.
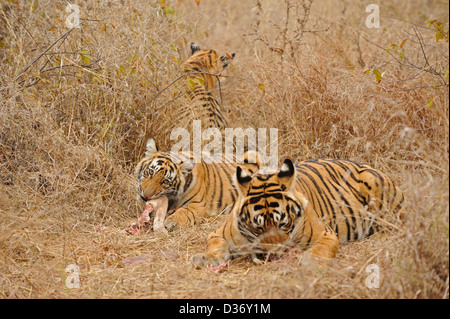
column 383, row 201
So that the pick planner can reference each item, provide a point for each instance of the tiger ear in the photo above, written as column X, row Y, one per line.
column 150, row 147
column 251, row 161
column 226, row 59
column 187, row 167
column 243, row 180
column 194, row 48
column 286, row 175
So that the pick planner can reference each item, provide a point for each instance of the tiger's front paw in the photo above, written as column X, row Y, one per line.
column 171, row 223
column 210, row 262
column 202, row 260
column 180, row 217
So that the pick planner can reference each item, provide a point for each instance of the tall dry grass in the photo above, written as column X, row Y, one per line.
column 78, row 105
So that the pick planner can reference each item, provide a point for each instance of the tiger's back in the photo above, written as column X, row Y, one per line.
column 349, row 197
column 203, row 70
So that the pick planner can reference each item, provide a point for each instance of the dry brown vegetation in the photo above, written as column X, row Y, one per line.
column 77, row 107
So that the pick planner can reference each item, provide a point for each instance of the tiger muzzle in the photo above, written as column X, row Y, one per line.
column 273, row 240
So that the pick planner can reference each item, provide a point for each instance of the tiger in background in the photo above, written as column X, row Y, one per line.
column 313, row 205
column 203, row 69
column 196, row 188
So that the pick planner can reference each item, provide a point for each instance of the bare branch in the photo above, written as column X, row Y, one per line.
column 63, row 36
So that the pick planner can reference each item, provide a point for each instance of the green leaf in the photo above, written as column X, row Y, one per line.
column 86, row 58
column 377, row 75
column 430, row 22
column 429, row 103
column 191, row 83
column 262, row 87
column 402, row 54
column 200, row 80
column 168, row 11
column 120, row 71
column 439, row 35
column 96, row 79
column 174, row 59
column 403, row 43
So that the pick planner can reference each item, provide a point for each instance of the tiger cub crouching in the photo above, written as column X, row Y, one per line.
column 313, row 205
column 209, row 65
column 204, row 68
column 195, row 188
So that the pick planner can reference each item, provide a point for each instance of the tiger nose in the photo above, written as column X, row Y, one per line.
column 273, row 236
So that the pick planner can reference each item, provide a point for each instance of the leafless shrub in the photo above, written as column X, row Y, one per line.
column 288, row 32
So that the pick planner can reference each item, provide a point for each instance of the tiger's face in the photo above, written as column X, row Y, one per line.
column 207, row 61
column 159, row 175
column 268, row 210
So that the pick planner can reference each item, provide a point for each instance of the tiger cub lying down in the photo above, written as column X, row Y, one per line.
column 312, row 205
column 184, row 189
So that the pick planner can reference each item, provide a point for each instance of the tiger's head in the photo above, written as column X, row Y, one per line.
column 268, row 210
column 207, row 61
column 161, row 174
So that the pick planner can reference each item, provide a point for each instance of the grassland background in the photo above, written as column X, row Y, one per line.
column 75, row 114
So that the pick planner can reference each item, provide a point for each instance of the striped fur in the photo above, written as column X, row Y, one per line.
column 195, row 189
column 201, row 104
column 313, row 205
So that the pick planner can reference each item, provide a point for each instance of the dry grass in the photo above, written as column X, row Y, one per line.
column 70, row 137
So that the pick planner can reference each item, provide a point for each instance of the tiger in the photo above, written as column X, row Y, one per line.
column 209, row 62
column 312, row 206
column 196, row 188
column 202, row 71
